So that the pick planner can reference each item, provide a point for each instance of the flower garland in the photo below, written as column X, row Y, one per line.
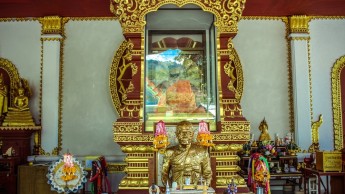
column 258, row 173
column 204, row 136
column 161, row 138
column 66, row 175
column 69, row 169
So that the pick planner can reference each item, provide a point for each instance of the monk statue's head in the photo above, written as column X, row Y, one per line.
column 184, row 132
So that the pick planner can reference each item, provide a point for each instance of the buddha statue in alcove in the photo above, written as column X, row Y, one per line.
column 19, row 113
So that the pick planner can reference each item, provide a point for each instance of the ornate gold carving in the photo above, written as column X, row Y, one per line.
column 337, row 106
column 299, row 24
column 137, row 168
column 54, row 152
column 315, row 135
column 310, row 83
column 300, row 38
column 51, row 39
column 131, row 13
column 290, row 82
column 226, row 164
column 235, row 126
column 134, row 183
column 21, row 128
column 133, row 138
column 120, row 86
column 91, row 18
column 113, row 167
column 222, row 182
column 231, row 137
column 12, row 72
column 138, row 149
column 226, row 147
column 113, row 77
column 17, row 19
column 232, row 67
column 128, row 127
column 51, row 24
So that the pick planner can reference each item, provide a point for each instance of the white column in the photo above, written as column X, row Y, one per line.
column 50, row 91
column 301, row 89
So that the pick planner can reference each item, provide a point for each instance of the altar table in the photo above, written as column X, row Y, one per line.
column 308, row 173
column 209, row 191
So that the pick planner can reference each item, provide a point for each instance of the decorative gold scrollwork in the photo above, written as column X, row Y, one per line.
column 131, row 13
column 337, row 110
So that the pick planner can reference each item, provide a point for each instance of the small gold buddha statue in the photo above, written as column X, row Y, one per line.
column 264, row 136
column 19, row 114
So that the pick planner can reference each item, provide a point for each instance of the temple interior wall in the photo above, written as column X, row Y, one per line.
column 88, row 49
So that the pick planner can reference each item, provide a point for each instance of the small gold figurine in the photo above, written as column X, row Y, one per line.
column 19, row 113
column 264, row 136
column 21, row 102
column 187, row 161
column 3, row 96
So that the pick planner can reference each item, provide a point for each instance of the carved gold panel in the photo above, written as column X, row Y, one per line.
column 338, row 67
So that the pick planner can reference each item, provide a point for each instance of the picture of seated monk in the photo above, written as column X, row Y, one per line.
column 187, row 160
column 179, row 95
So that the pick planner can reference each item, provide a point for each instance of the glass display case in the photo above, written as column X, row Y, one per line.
column 179, row 78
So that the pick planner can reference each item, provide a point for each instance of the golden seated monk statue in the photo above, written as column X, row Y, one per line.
column 187, row 162
column 264, row 136
column 19, row 114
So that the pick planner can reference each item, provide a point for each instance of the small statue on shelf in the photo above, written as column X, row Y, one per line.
column 232, row 188
column 3, row 96
column 264, row 131
column 246, row 148
column 154, row 189
column 21, row 102
column 19, row 112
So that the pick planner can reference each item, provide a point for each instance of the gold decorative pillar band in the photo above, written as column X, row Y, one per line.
column 51, row 25
column 139, row 162
column 299, row 24
column 238, row 131
column 226, row 158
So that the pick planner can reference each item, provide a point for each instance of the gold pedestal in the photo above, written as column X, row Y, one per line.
column 18, row 118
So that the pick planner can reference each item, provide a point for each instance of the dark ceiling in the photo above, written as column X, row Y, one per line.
column 100, row 8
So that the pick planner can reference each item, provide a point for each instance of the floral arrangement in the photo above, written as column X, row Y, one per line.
column 69, row 169
column 66, row 175
column 161, row 138
column 292, row 148
column 204, row 136
column 268, row 149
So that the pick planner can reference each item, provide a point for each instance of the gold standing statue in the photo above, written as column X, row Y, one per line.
column 188, row 161
column 264, row 136
column 3, row 96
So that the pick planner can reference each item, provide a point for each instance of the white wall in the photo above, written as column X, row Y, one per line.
column 327, row 44
column 20, row 43
column 262, row 48
column 88, row 112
